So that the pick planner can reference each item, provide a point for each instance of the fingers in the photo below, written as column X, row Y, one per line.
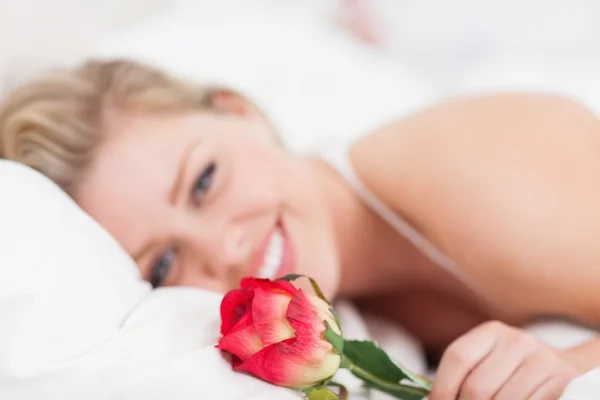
column 551, row 389
column 460, row 359
column 500, row 362
column 487, row 379
column 526, row 380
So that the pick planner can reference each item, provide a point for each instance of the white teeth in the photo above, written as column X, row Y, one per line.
column 273, row 256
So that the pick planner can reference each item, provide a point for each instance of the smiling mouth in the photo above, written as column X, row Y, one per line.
column 273, row 258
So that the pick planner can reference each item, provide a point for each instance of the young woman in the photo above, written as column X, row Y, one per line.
column 462, row 222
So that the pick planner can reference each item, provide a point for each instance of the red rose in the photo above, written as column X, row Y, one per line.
column 275, row 332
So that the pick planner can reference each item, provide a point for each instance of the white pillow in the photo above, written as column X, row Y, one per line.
column 314, row 81
column 586, row 387
column 77, row 322
column 42, row 42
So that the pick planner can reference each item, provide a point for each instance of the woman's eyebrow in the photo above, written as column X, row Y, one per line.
column 181, row 171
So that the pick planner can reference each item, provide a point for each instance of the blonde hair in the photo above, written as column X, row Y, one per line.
column 56, row 123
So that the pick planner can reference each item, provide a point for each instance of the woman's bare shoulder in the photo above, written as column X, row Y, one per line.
column 461, row 137
column 506, row 184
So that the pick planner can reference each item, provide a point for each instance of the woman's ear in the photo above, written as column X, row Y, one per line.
column 231, row 102
column 228, row 101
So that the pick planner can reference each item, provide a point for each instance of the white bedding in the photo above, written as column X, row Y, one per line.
column 79, row 323
column 315, row 82
column 76, row 321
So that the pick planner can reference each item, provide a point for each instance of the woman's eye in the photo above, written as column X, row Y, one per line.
column 162, row 267
column 202, row 184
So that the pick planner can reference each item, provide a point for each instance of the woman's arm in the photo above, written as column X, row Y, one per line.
column 509, row 186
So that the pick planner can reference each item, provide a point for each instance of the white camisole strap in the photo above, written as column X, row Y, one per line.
column 339, row 160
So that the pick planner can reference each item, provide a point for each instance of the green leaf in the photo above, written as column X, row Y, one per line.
column 321, row 394
column 369, row 357
column 336, row 340
column 318, row 290
column 395, row 389
column 336, row 317
column 314, row 284
column 418, row 379
column 290, row 277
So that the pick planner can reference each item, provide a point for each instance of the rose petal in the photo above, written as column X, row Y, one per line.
column 254, row 283
column 305, row 320
column 242, row 340
column 268, row 364
column 284, row 364
column 235, row 361
column 308, row 322
column 297, row 363
column 323, row 311
column 234, row 306
column 269, row 309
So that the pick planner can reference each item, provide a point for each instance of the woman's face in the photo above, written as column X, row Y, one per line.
column 205, row 199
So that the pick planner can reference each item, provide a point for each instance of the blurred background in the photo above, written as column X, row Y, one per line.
column 324, row 70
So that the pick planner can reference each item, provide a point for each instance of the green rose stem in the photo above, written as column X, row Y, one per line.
column 368, row 362
column 397, row 390
column 374, row 368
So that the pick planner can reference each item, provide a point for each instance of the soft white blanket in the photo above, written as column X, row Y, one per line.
column 79, row 323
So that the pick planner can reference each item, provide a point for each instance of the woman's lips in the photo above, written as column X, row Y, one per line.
column 274, row 257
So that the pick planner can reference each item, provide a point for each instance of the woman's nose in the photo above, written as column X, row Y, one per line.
column 231, row 251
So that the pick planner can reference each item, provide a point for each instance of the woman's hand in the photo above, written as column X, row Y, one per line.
column 496, row 361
